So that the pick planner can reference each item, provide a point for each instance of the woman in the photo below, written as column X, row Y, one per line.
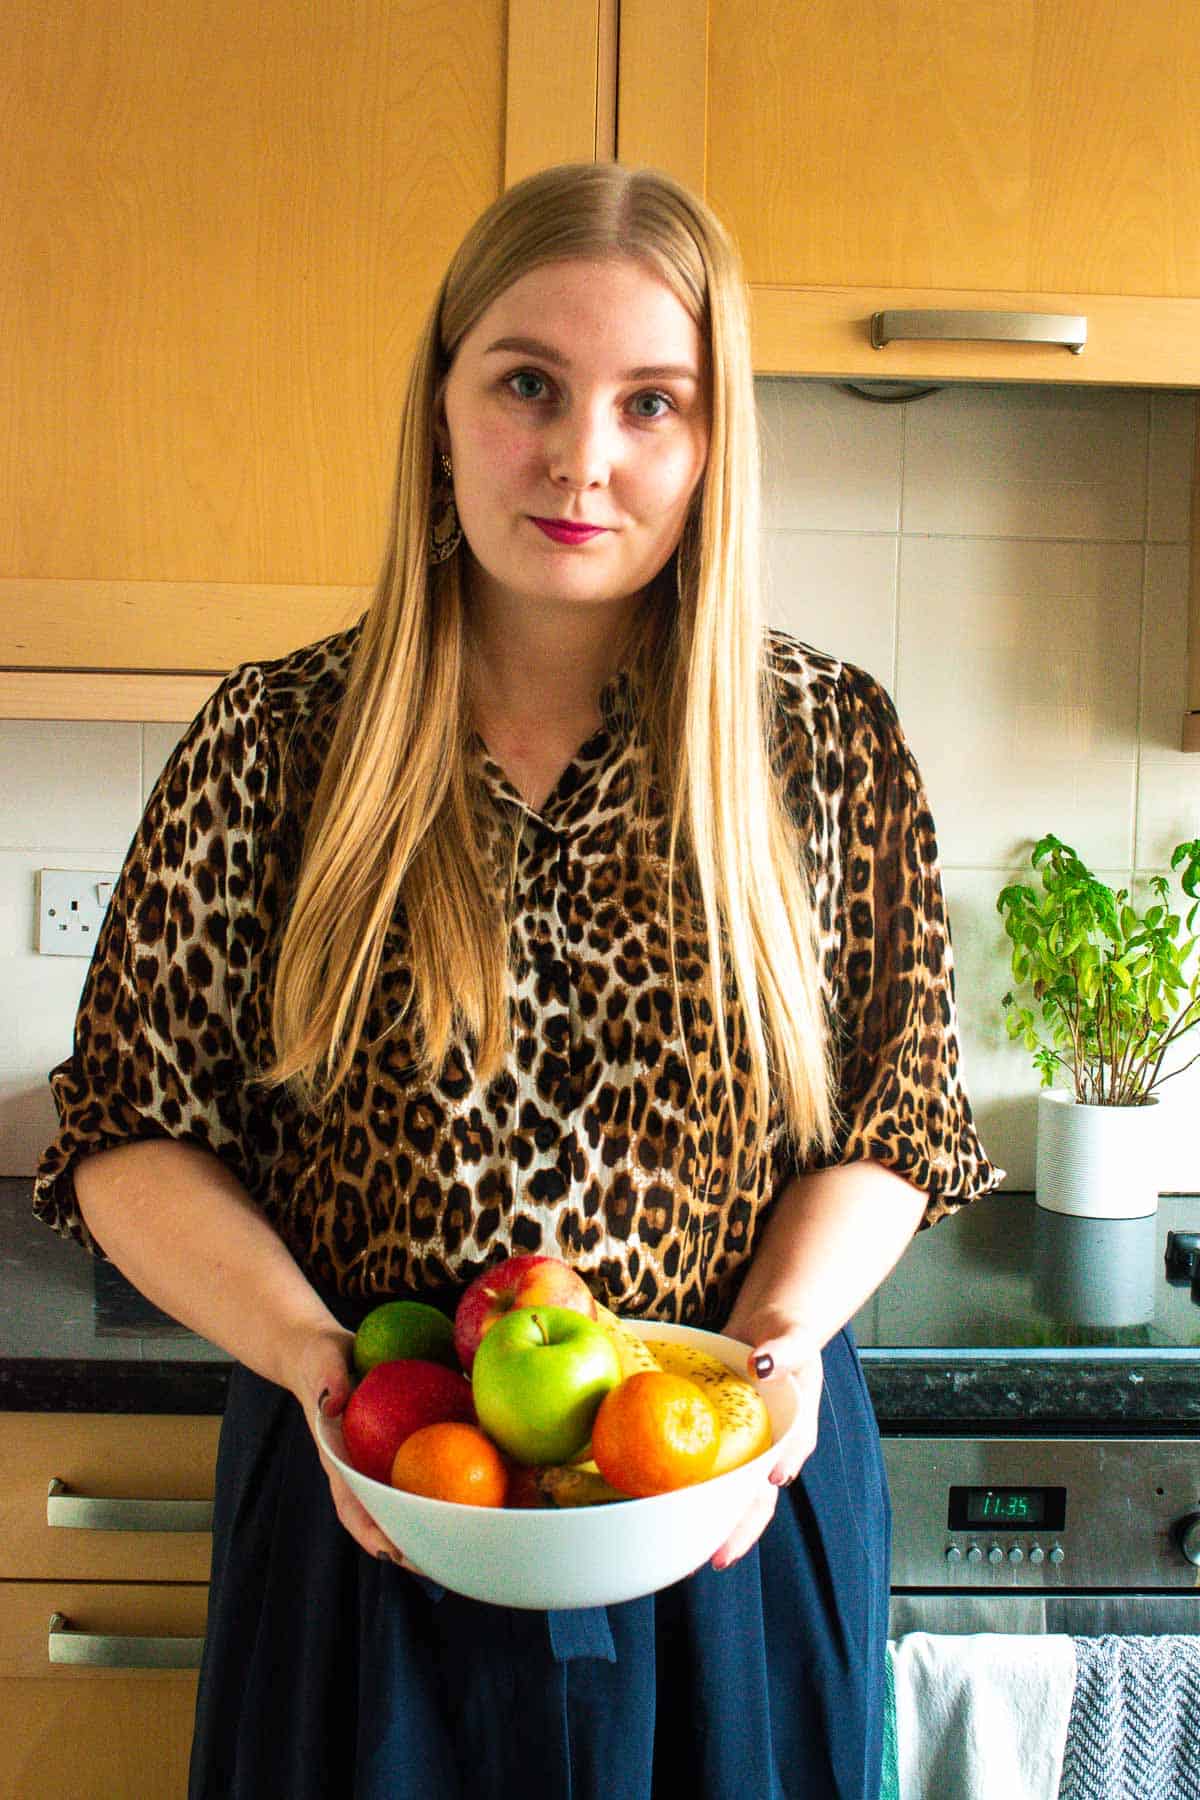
column 411, row 968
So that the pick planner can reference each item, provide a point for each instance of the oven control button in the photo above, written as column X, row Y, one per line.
column 974, row 1554
column 995, row 1554
column 1016, row 1554
column 953, row 1554
column 1187, row 1536
column 1057, row 1554
column 1037, row 1555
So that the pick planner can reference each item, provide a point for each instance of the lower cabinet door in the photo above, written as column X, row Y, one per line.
column 97, row 1689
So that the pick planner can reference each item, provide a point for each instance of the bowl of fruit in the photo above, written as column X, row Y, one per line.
column 537, row 1451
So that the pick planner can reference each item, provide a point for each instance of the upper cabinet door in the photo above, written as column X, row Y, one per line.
column 1022, row 155
column 223, row 225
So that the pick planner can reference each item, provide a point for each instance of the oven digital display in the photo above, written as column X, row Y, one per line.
column 1008, row 1508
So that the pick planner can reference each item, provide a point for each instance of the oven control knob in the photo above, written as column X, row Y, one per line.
column 1037, row 1555
column 995, row 1554
column 1057, row 1555
column 1187, row 1536
column 953, row 1554
column 974, row 1554
column 1016, row 1554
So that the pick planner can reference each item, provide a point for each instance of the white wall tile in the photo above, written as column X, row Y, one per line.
column 1172, row 450
column 837, row 592
column 1179, row 1094
column 1027, row 462
column 1000, row 1080
column 1179, row 1150
column 71, row 784
column 831, row 461
column 1017, row 685
column 1179, row 1101
column 158, row 741
column 41, row 994
column 1168, row 781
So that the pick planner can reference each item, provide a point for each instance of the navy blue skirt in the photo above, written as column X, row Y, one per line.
column 328, row 1674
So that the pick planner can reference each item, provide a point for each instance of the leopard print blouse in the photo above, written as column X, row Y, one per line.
column 591, row 1144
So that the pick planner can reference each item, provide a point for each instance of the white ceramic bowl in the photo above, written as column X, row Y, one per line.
column 551, row 1559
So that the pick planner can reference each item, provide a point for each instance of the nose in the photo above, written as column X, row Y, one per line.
column 580, row 449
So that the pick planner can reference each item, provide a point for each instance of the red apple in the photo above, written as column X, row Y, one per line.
column 519, row 1281
column 394, row 1400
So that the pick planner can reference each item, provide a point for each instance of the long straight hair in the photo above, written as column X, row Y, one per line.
column 394, row 816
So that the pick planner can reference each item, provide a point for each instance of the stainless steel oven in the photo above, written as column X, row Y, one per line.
column 1037, row 1384
column 1082, row 1535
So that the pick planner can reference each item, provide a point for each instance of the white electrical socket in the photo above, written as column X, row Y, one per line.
column 71, row 904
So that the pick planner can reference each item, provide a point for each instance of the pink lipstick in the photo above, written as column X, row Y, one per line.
column 563, row 533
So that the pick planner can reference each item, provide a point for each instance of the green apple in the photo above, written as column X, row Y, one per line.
column 538, row 1379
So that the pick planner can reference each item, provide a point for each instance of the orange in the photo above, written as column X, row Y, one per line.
column 655, row 1432
column 451, row 1461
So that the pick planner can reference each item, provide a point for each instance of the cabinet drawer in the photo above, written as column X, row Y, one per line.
column 124, row 1738
column 103, row 1456
column 126, row 1628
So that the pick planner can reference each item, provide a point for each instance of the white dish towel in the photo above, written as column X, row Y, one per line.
column 981, row 1717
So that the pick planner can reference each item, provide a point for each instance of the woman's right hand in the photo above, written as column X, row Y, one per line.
column 322, row 1384
column 178, row 1224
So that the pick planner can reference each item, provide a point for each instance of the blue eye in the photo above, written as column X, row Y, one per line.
column 656, row 400
column 527, row 384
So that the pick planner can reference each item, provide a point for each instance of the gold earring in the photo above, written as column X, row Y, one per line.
column 445, row 532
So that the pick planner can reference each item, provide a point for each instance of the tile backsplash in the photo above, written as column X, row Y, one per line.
column 1011, row 563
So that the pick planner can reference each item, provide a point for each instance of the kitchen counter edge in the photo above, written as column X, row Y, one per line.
column 921, row 1394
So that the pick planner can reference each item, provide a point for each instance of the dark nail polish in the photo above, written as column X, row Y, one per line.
column 763, row 1366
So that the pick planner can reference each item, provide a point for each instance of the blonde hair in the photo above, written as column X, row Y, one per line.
column 393, row 816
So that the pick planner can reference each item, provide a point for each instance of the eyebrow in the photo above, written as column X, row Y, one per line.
column 524, row 346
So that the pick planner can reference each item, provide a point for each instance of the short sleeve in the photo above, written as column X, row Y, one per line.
column 901, row 1094
column 168, row 1017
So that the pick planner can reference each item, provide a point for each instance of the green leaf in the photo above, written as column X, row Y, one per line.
column 1107, row 981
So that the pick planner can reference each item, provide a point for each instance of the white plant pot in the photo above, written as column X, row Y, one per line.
column 1096, row 1162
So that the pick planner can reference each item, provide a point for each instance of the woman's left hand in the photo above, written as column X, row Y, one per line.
column 792, row 1355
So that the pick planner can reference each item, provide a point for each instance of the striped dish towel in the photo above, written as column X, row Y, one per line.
column 1134, row 1729
column 889, row 1786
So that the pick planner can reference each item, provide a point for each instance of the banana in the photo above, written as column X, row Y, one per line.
column 741, row 1414
column 741, row 1411
column 574, row 1486
column 633, row 1352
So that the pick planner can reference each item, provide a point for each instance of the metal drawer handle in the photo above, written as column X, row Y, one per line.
column 104, row 1650
column 1067, row 329
column 87, row 1512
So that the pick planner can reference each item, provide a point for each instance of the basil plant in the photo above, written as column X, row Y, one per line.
column 1109, row 984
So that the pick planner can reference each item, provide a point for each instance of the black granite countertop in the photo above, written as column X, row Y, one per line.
column 75, row 1337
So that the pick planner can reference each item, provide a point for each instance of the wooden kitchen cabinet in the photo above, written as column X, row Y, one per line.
column 80, row 1732
column 1027, row 155
column 223, row 226
column 97, row 1737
